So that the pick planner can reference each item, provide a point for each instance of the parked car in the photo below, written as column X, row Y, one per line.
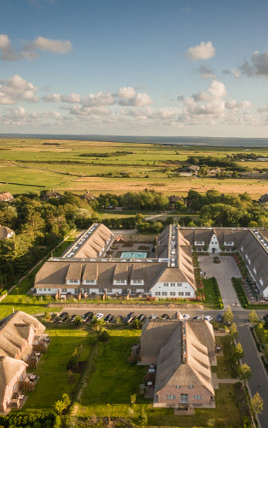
column 99, row 316
column 185, row 316
column 265, row 318
column 165, row 316
column 216, row 260
column 208, row 318
column 87, row 316
column 141, row 317
column 73, row 317
column 130, row 317
column 109, row 318
column 197, row 318
column 153, row 317
column 63, row 317
column 219, row 317
column 56, row 319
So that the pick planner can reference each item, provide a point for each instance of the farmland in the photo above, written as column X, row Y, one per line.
column 31, row 165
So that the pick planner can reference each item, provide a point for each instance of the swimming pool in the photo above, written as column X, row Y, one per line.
column 133, row 255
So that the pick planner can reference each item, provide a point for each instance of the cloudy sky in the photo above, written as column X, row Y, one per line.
column 149, row 67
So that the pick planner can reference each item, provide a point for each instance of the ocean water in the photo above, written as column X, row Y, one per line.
column 247, row 143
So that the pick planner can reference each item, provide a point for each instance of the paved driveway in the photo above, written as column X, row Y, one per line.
column 223, row 273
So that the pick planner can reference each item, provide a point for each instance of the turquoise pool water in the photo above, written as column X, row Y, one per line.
column 133, row 255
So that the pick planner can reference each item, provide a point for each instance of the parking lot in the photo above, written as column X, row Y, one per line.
column 127, row 315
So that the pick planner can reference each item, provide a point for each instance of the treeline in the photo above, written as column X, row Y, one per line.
column 145, row 200
column 216, row 209
column 38, row 226
column 227, row 163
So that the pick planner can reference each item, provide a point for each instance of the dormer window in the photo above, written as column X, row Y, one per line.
column 137, row 282
column 90, row 282
column 120, row 282
column 73, row 281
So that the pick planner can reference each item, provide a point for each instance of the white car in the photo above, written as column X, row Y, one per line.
column 208, row 318
column 99, row 316
column 185, row 316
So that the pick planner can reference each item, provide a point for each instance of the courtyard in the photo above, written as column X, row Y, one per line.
column 223, row 272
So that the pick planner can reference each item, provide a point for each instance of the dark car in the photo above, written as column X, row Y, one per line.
column 130, row 317
column 73, row 317
column 219, row 318
column 141, row 317
column 165, row 316
column 87, row 316
column 109, row 318
column 197, row 318
column 56, row 319
column 265, row 318
column 63, row 316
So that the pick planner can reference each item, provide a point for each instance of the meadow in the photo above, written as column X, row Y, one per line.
column 31, row 165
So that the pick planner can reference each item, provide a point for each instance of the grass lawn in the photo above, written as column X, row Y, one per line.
column 113, row 380
column 54, row 379
column 212, row 293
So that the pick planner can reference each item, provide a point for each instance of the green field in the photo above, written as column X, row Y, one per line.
column 54, row 378
column 100, row 167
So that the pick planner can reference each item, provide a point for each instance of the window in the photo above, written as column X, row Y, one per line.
column 197, row 242
column 90, row 282
column 228, row 243
column 73, row 281
column 197, row 397
column 171, row 397
column 179, row 284
column 184, row 398
column 164, row 294
column 187, row 294
column 172, row 284
column 166, row 284
column 181, row 294
column 120, row 282
column 178, row 385
column 172, row 294
column 137, row 282
column 64, row 290
column 157, row 294
column 191, row 386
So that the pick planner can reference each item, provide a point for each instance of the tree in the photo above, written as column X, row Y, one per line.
column 238, row 352
column 228, row 316
column 253, row 318
column 233, row 330
column 244, row 372
column 257, row 404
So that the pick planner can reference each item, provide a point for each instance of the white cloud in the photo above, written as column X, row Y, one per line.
column 140, row 99
column 258, row 65
column 16, row 89
column 204, row 51
column 29, row 49
column 71, row 98
column 52, row 98
column 99, row 99
column 126, row 92
column 53, row 45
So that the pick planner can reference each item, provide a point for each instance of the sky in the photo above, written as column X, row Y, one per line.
column 143, row 67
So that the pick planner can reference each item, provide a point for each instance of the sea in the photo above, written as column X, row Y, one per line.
column 245, row 143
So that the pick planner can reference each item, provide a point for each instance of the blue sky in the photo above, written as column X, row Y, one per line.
column 136, row 68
